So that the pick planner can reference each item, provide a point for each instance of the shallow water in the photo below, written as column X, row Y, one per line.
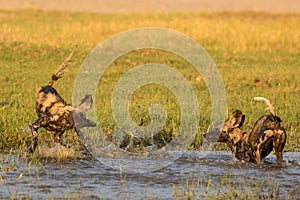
column 192, row 174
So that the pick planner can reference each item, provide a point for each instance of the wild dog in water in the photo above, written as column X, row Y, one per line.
column 255, row 144
column 54, row 114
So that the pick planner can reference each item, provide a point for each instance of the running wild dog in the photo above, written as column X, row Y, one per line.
column 255, row 144
column 54, row 114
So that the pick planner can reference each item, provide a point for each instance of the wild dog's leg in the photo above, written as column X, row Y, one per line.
column 59, row 138
column 232, row 147
column 279, row 157
column 86, row 151
column 62, row 139
column 79, row 133
column 278, row 143
column 34, row 132
column 257, row 153
column 258, row 156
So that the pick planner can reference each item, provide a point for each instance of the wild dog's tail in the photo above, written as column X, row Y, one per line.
column 270, row 106
column 57, row 74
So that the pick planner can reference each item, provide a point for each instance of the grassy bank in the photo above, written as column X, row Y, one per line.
column 244, row 46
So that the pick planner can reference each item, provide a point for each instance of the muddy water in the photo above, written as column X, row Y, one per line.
column 214, row 174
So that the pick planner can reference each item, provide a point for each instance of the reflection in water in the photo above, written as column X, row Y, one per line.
column 191, row 175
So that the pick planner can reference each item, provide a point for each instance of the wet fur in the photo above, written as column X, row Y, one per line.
column 55, row 115
column 267, row 134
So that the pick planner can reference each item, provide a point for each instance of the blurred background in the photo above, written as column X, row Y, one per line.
column 127, row 6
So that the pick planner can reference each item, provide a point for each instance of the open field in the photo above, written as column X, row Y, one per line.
column 134, row 6
column 244, row 46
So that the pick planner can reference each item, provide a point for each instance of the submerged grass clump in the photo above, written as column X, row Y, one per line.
column 244, row 46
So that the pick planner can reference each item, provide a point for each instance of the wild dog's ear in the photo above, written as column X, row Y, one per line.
column 236, row 119
column 85, row 103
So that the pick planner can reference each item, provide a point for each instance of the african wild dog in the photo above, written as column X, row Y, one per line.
column 54, row 114
column 254, row 145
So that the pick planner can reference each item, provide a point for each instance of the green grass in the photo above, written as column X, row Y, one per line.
column 226, row 188
column 243, row 45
